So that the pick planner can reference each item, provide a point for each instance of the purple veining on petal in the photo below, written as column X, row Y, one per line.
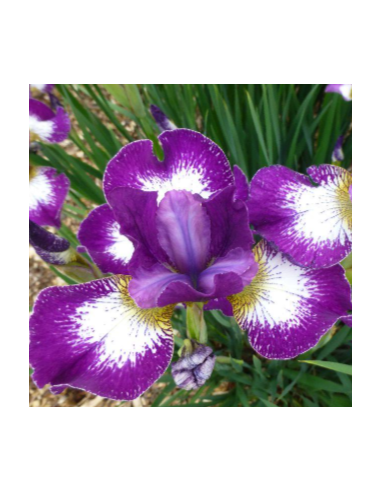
column 183, row 228
column 162, row 120
column 350, row 192
column 287, row 309
column 312, row 224
column 107, row 246
column 191, row 162
column 92, row 336
column 48, row 126
column 47, row 193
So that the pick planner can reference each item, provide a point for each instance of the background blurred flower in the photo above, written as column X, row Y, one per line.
column 46, row 125
column 344, row 89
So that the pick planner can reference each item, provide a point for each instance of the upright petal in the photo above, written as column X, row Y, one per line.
column 45, row 124
column 93, row 336
column 311, row 224
column 183, row 227
column 108, row 247
column 191, row 162
column 47, row 193
column 287, row 309
column 229, row 221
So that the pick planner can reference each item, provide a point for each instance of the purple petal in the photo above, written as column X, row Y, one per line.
column 313, row 225
column 162, row 120
column 287, row 309
column 147, row 286
column 107, row 246
column 222, row 304
column 191, row 162
column 48, row 126
column 344, row 89
column 236, row 261
column 241, row 184
column 183, row 227
column 135, row 211
column 51, row 248
column 229, row 223
column 47, row 193
column 92, row 336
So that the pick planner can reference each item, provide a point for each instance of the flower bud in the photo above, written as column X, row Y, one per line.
column 162, row 120
column 195, row 365
column 338, row 154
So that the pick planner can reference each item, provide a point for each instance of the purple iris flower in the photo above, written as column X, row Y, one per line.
column 344, row 89
column 47, row 125
column 174, row 231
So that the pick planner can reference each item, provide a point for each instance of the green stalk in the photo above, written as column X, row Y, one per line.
column 196, row 326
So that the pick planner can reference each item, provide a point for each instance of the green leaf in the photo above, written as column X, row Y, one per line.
column 333, row 366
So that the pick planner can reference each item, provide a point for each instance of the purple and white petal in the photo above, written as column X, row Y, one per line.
column 344, row 89
column 183, row 227
column 241, row 184
column 45, row 124
column 51, row 248
column 47, row 193
column 42, row 87
column 312, row 224
column 92, row 336
column 162, row 120
column 287, row 309
column 191, row 162
column 100, row 233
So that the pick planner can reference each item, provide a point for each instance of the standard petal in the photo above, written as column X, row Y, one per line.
column 183, row 227
column 47, row 193
column 93, row 336
column 191, row 162
column 51, row 248
column 135, row 211
column 241, row 184
column 229, row 223
column 45, row 124
column 287, row 309
column 108, row 247
column 311, row 224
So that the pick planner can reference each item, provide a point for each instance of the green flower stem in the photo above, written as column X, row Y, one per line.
column 196, row 326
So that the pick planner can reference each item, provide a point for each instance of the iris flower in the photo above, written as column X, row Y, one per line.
column 173, row 231
column 47, row 125
column 344, row 89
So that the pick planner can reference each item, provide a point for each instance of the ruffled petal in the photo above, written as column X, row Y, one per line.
column 191, row 162
column 45, row 124
column 93, row 336
column 287, row 309
column 311, row 224
column 108, row 247
column 229, row 222
column 47, row 193
column 183, row 227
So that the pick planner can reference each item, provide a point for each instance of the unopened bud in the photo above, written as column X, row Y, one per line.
column 194, row 367
column 162, row 120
